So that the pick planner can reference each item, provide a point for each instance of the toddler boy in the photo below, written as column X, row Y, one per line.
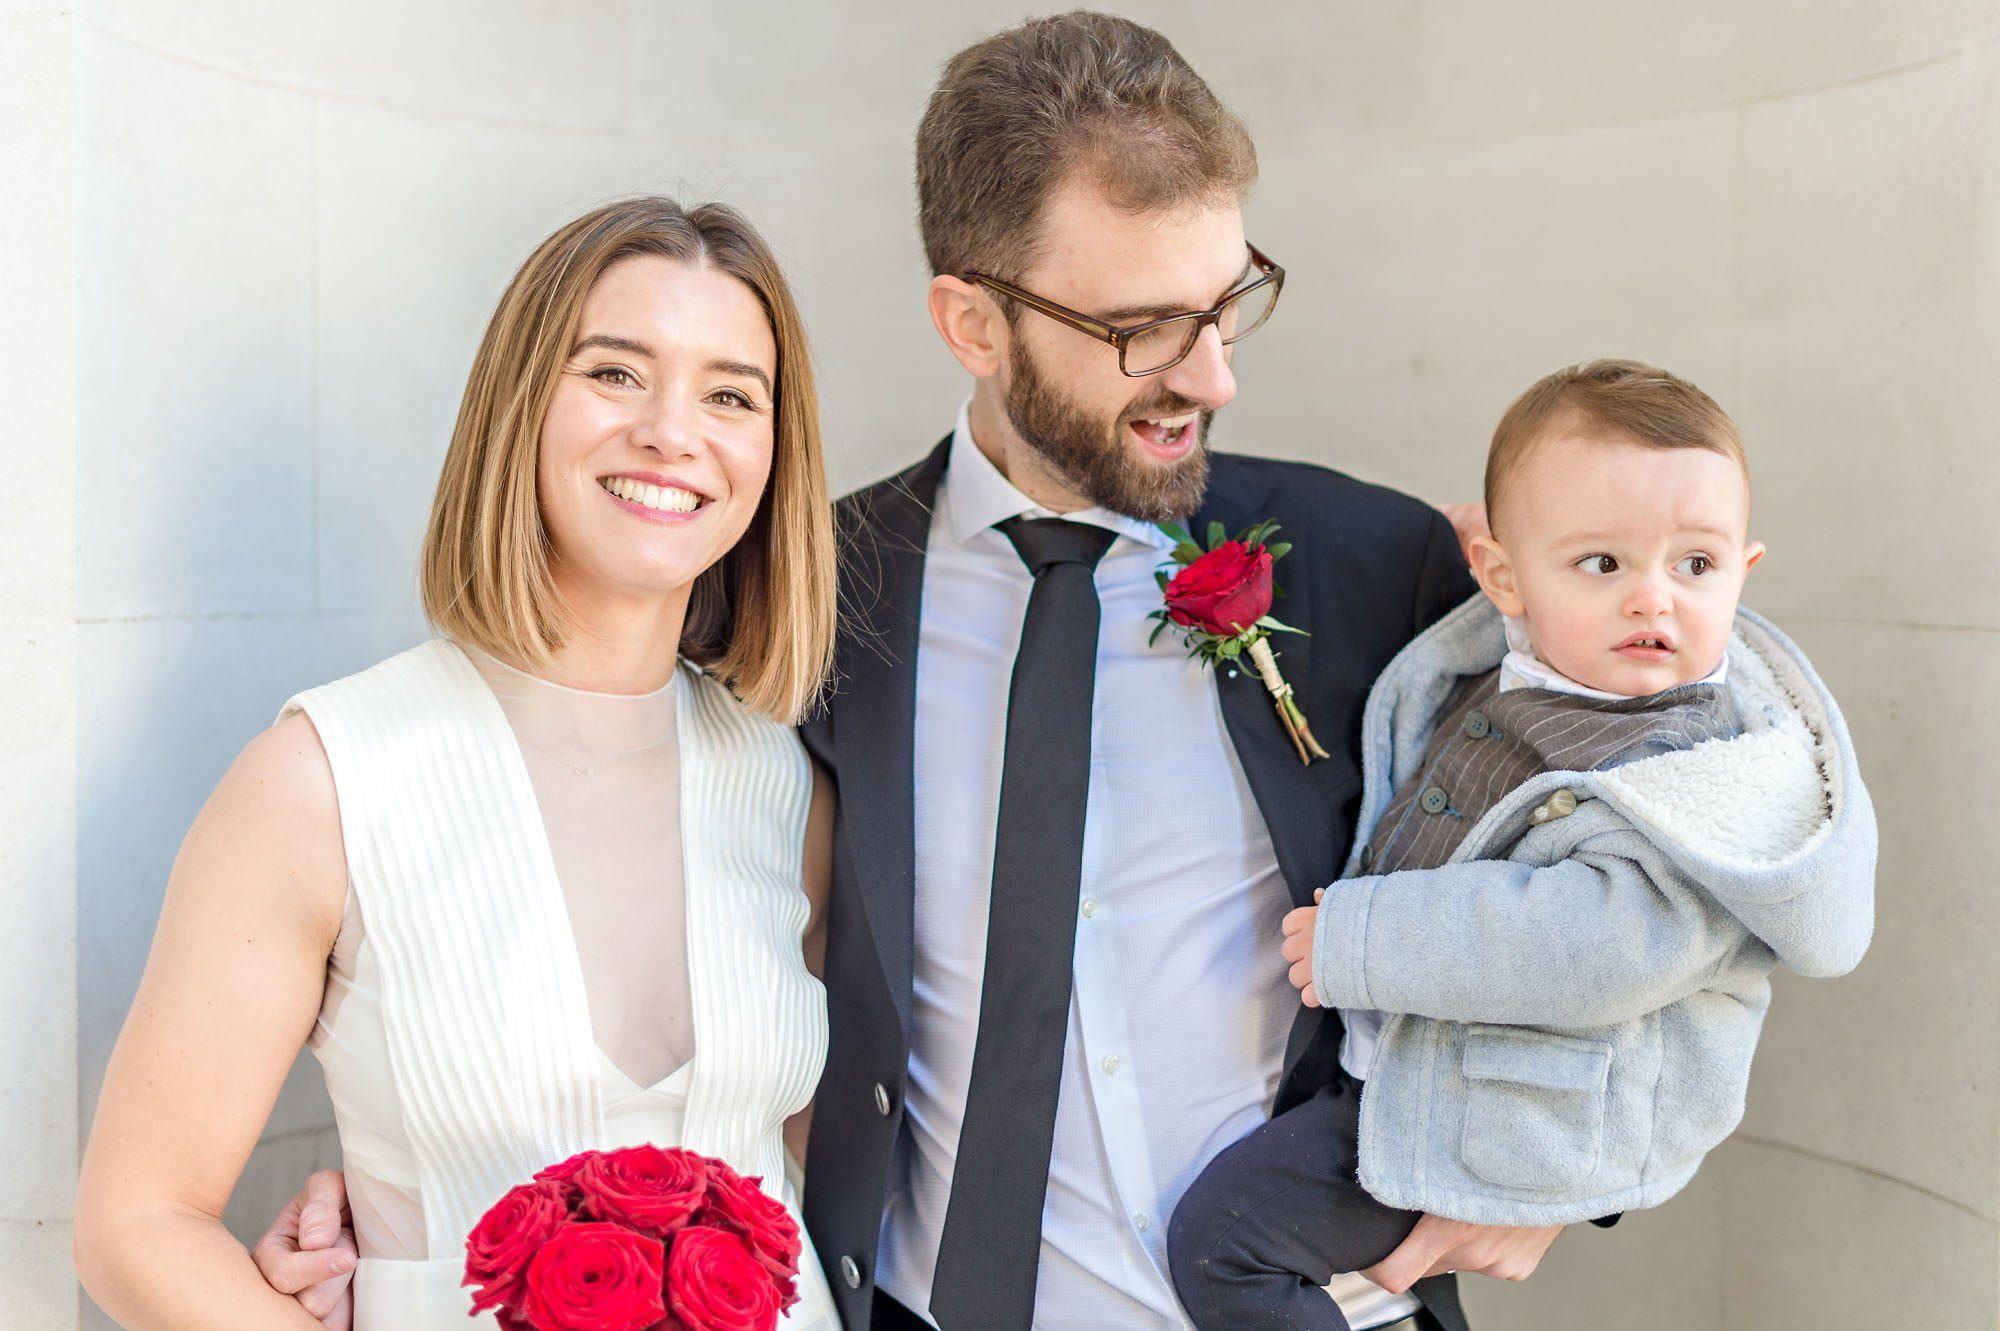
column 1600, row 802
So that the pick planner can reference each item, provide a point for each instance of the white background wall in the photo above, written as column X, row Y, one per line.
column 246, row 250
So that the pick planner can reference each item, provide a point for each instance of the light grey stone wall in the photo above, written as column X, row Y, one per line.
column 261, row 240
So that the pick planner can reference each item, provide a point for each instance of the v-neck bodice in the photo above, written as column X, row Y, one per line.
column 455, row 1034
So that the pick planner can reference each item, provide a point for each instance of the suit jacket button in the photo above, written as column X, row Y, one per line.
column 882, row 1099
column 850, row 1271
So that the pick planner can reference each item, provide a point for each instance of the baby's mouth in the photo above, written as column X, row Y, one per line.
column 1646, row 647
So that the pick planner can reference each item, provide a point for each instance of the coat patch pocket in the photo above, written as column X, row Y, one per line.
column 1534, row 1107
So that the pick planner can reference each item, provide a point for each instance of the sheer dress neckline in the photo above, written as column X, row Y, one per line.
column 605, row 769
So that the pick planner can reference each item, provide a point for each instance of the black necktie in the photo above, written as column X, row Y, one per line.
column 992, row 1238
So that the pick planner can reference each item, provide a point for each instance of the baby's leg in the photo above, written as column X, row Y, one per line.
column 1274, row 1216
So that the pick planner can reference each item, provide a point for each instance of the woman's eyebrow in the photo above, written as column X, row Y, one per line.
column 742, row 367
column 612, row 343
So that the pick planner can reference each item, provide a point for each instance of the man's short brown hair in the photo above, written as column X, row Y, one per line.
column 1015, row 114
column 1618, row 399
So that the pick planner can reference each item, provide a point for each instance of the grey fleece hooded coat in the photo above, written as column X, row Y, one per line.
column 1577, row 995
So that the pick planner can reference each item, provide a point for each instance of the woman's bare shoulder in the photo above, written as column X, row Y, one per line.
column 276, row 815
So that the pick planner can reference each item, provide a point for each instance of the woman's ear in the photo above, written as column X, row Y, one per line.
column 970, row 322
column 1495, row 574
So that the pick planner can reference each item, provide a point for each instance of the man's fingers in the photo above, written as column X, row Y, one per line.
column 1416, row 1255
column 326, row 1299
column 294, row 1272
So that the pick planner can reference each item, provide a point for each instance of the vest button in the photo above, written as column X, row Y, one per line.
column 1477, row 726
column 850, row 1271
column 881, row 1099
column 1435, row 800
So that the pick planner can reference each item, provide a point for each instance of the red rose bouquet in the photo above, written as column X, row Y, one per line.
column 642, row 1239
column 1220, row 600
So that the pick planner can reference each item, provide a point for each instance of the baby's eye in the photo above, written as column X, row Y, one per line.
column 1598, row 564
column 1695, row 565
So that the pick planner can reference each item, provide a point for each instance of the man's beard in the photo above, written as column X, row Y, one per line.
column 1091, row 455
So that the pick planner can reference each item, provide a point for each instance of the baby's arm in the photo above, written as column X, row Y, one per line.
column 1596, row 938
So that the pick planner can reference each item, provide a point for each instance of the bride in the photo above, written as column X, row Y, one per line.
column 539, row 885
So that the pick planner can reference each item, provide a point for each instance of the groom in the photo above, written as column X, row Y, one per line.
column 1062, row 856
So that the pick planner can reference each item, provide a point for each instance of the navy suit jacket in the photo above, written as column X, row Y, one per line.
column 1369, row 569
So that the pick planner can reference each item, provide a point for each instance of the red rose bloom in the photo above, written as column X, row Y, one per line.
column 741, row 1207
column 566, row 1171
column 1224, row 592
column 498, row 1250
column 649, row 1189
column 714, row 1284
column 595, row 1278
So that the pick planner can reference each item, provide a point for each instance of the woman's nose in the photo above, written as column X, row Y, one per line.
column 669, row 425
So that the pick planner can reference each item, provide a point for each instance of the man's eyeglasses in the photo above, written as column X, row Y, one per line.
column 1160, row 344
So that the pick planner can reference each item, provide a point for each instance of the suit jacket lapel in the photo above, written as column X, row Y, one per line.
column 886, row 531
column 1288, row 794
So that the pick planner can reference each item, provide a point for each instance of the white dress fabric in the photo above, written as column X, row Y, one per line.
column 519, row 938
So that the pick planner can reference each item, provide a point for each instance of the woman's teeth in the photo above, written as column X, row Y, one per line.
column 666, row 499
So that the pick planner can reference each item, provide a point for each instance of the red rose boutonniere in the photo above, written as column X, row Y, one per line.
column 1220, row 600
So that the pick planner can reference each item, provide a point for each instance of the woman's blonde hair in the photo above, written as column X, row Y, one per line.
column 761, row 618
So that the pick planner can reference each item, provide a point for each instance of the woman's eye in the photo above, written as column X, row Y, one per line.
column 1598, row 564
column 731, row 398
column 615, row 375
column 1694, row 565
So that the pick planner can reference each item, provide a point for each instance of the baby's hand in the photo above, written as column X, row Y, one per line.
column 1298, row 948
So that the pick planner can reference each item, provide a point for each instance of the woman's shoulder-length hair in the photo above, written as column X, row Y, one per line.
column 762, row 618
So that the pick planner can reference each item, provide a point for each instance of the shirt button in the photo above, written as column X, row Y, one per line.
column 1089, row 908
column 882, row 1099
column 1477, row 726
column 1435, row 800
column 850, row 1271
column 1142, row 1222
column 1110, row 1063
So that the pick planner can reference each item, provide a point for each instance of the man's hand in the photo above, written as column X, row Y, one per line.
column 1437, row 1246
column 1298, row 948
column 1469, row 521
column 308, row 1252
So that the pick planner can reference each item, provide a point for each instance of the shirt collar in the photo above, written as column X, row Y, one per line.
column 973, row 495
column 1522, row 669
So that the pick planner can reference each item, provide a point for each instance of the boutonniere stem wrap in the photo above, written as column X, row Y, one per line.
column 1220, row 601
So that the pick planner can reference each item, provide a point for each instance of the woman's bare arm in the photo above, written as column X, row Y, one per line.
column 229, row 995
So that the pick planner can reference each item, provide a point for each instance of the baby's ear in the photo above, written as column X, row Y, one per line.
column 1751, row 554
column 1495, row 573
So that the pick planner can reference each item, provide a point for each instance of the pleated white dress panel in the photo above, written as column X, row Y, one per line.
column 481, row 1002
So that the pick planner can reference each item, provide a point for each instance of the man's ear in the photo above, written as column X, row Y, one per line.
column 1495, row 574
column 970, row 322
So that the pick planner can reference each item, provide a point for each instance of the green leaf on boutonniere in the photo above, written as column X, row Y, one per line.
column 1217, row 534
column 1161, row 576
column 1179, row 533
column 1187, row 553
column 1278, row 551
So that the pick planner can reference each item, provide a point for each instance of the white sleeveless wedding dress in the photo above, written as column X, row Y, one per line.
column 501, row 832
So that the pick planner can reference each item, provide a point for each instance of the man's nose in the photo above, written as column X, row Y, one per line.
column 1204, row 377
